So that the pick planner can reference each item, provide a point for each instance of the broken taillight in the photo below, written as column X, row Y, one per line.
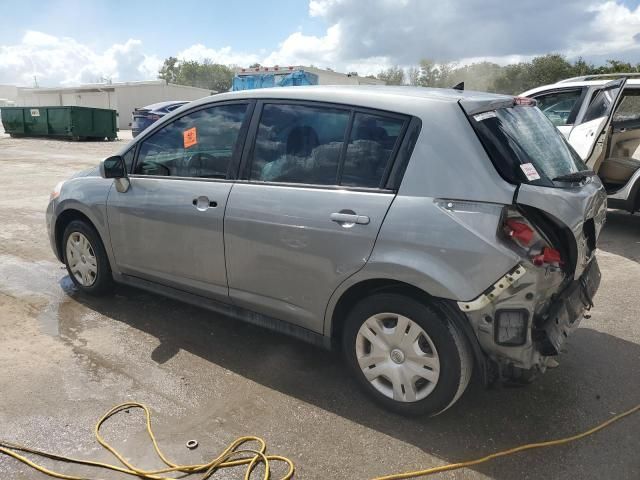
column 519, row 231
column 523, row 237
column 548, row 256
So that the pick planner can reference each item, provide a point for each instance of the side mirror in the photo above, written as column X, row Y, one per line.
column 113, row 167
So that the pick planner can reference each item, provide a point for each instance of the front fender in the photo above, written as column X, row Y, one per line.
column 88, row 196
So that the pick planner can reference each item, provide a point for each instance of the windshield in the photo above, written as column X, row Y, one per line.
column 524, row 145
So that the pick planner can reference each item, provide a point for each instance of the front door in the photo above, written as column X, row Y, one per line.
column 308, row 215
column 167, row 227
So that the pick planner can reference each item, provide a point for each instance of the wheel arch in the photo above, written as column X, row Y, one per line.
column 64, row 219
column 448, row 309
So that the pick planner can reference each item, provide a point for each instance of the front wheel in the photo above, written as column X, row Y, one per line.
column 406, row 355
column 86, row 259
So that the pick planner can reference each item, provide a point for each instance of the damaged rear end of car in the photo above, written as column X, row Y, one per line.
column 524, row 317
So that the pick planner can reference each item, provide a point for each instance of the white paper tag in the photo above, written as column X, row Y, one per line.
column 530, row 171
column 485, row 115
column 35, row 112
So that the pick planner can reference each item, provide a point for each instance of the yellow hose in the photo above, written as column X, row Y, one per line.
column 510, row 451
column 234, row 456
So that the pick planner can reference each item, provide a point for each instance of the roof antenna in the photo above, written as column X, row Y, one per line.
column 458, row 86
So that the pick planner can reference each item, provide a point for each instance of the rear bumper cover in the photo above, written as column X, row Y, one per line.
column 566, row 312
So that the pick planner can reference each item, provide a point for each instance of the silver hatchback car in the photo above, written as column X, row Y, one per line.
column 431, row 234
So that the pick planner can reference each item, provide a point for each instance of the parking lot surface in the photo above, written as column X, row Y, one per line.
column 66, row 358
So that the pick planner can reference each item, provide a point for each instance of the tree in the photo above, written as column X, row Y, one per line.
column 476, row 76
column 547, row 69
column 428, row 73
column 392, row 76
column 432, row 74
column 169, row 70
column 413, row 76
column 580, row 67
column 209, row 75
column 512, row 79
column 616, row 66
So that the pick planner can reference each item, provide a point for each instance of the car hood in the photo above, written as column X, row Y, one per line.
column 89, row 172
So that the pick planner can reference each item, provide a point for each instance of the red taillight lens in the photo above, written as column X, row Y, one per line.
column 549, row 256
column 520, row 231
column 527, row 241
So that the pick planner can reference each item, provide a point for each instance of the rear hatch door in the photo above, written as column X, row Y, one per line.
column 553, row 183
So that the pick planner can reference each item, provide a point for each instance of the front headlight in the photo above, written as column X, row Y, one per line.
column 56, row 191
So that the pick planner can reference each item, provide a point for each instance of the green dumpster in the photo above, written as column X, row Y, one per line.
column 77, row 123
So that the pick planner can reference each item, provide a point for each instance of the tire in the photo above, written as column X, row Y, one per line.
column 397, row 379
column 87, row 263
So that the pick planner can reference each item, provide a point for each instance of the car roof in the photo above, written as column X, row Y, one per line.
column 632, row 82
column 402, row 99
column 155, row 106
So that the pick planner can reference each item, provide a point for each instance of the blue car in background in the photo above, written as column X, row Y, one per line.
column 145, row 116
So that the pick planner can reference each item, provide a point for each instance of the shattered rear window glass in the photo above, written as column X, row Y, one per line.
column 522, row 136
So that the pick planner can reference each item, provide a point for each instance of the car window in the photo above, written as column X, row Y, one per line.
column 171, row 108
column 370, row 148
column 299, row 144
column 557, row 106
column 601, row 103
column 629, row 108
column 524, row 146
column 200, row 144
column 128, row 158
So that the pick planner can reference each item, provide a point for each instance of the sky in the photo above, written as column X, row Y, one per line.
column 68, row 42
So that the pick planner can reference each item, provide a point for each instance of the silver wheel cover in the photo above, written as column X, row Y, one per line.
column 81, row 259
column 397, row 357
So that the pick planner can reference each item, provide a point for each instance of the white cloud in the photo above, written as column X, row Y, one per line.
column 308, row 49
column 364, row 36
column 613, row 30
column 62, row 60
column 224, row 55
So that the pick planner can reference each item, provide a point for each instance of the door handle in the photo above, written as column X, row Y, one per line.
column 202, row 203
column 348, row 219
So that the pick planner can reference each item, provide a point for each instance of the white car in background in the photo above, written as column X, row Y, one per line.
column 600, row 118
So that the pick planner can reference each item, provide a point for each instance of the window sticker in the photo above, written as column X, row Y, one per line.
column 485, row 115
column 190, row 137
column 35, row 112
column 530, row 171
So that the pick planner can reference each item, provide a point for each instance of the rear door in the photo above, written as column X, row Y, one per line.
column 308, row 212
column 589, row 138
column 167, row 227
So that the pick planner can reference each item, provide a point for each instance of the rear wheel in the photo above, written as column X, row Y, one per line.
column 86, row 259
column 406, row 355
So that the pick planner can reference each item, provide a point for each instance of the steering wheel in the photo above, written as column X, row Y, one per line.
column 200, row 165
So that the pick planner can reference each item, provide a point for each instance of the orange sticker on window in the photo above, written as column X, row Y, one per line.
column 190, row 137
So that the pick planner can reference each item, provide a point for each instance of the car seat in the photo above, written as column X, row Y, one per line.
column 301, row 141
column 618, row 170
